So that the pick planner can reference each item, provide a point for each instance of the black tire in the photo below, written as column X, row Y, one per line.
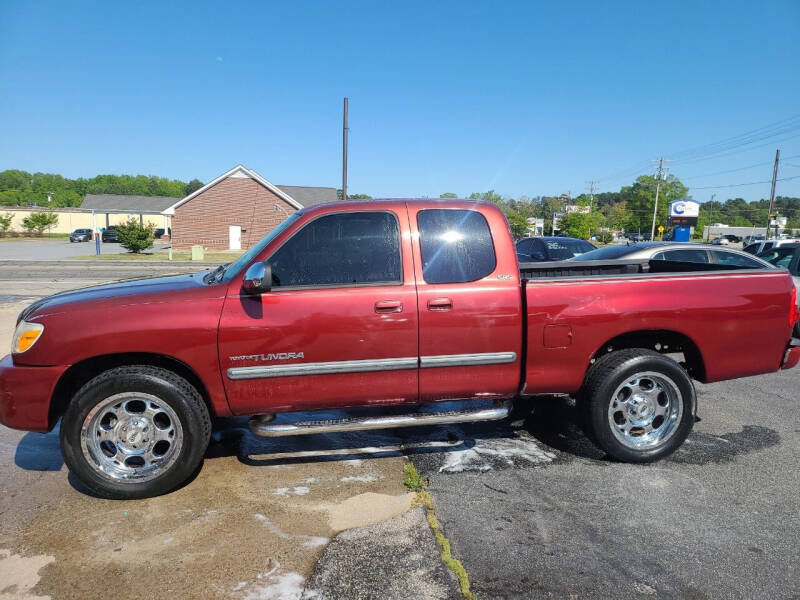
column 173, row 393
column 606, row 376
column 796, row 330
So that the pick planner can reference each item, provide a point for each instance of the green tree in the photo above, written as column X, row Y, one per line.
column 578, row 225
column 5, row 222
column 14, row 179
column 359, row 197
column 448, row 195
column 518, row 225
column 193, row 186
column 40, row 221
column 640, row 199
column 135, row 237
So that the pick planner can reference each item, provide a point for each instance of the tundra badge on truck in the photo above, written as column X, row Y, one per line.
column 270, row 356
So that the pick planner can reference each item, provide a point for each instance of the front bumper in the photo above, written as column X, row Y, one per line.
column 25, row 394
column 792, row 356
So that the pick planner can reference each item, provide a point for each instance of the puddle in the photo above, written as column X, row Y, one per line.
column 20, row 574
column 703, row 448
column 366, row 509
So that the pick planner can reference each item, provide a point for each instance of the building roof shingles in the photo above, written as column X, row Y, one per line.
column 310, row 196
column 124, row 203
column 304, row 195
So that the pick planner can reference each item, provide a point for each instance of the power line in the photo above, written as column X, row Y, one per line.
column 716, row 187
column 761, row 164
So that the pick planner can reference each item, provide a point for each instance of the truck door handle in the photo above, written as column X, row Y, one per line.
column 440, row 304
column 388, row 306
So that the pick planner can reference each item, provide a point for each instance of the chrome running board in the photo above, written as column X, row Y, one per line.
column 263, row 425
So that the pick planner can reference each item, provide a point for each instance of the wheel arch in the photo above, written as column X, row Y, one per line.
column 664, row 341
column 78, row 374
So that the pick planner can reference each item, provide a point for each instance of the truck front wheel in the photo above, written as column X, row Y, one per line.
column 640, row 405
column 135, row 432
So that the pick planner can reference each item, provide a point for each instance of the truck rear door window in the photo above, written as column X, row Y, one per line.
column 688, row 255
column 456, row 245
column 340, row 249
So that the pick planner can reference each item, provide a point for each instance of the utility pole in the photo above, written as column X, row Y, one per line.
column 711, row 206
column 345, row 130
column 661, row 175
column 591, row 184
column 772, row 193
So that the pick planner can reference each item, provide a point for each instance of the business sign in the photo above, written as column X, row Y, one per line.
column 576, row 208
column 779, row 221
column 684, row 208
column 683, row 212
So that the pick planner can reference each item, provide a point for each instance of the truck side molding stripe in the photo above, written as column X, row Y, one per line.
column 324, row 368
column 363, row 366
column 467, row 360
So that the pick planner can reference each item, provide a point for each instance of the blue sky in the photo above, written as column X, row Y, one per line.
column 522, row 97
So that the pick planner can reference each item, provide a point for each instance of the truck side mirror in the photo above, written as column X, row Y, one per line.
column 258, row 278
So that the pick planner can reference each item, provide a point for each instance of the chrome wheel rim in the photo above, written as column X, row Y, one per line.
column 645, row 410
column 131, row 437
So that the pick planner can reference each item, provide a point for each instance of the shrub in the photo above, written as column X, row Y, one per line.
column 605, row 237
column 5, row 222
column 135, row 237
column 40, row 221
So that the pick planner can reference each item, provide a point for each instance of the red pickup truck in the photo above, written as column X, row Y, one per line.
column 382, row 303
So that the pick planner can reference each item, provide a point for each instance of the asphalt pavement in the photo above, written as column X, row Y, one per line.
column 530, row 506
column 50, row 249
column 534, row 510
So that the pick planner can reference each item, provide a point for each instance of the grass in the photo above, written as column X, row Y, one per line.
column 215, row 257
column 415, row 483
column 34, row 238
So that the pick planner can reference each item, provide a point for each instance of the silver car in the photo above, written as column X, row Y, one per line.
column 679, row 252
column 787, row 256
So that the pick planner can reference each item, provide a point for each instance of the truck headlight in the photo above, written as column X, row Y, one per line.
column 25, row 336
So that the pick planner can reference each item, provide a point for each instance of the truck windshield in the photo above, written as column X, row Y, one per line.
column 245, row 259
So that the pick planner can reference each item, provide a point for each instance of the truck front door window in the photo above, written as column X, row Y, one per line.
column 341, row 249
column 456, row 245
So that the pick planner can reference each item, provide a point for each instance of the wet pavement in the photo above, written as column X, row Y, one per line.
column 252, row 524
column 530, row 506
column 534, row 510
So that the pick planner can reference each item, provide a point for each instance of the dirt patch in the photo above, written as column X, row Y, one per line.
column 20, row 574
column 366, row 509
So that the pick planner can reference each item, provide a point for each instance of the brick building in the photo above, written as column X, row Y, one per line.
column 237, row 209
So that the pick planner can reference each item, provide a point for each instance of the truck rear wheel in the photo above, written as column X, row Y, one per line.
column 640, row 405
column 135, row 432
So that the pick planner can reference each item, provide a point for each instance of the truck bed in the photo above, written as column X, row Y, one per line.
column 736, row 319
column 595, row 268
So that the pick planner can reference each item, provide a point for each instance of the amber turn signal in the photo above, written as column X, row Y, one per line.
column 25, row 336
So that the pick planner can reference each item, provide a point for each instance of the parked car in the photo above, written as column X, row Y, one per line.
column 720, row 241
column 678, row 252
column 80, row 235
column 376, row 304
column 638, row 237
column 110, row 234
column 786, row 256
column 537, row 249
column 764, row 245
column 750, row 239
